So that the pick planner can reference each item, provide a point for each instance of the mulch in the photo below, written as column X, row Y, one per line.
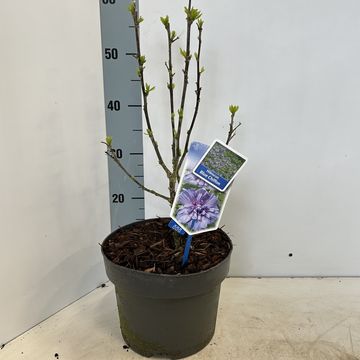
column 150, row 246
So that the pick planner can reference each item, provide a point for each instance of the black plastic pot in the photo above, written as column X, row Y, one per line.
column 170, row 316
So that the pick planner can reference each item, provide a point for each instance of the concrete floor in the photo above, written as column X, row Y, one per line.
column 259, row 319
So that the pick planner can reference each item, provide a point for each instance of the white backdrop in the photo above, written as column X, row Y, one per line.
column 293, row 67
column 53, row 184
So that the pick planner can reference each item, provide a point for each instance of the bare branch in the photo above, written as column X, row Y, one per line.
column 197, row 92
column 112, row 154
column 141, row 61
column 187, row 56
column 233, row 109
column 171, row 36
column 178, row 156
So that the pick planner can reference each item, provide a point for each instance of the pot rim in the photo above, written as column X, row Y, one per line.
column 200, row 273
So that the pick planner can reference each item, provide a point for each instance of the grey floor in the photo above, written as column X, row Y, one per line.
column 259, row 319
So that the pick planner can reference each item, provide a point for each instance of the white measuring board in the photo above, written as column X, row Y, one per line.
column 123, row 109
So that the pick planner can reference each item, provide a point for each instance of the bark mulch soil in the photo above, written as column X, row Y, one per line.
column 150, row 246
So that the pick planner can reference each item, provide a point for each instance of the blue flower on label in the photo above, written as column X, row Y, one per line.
column 191, row 179
column 198, row 209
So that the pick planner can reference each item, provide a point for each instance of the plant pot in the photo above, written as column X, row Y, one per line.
column 170, row 316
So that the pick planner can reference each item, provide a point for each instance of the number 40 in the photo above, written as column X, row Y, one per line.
column 114, row 105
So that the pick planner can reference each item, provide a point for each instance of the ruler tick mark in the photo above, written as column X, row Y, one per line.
column 137, row 198
column 135, row 106
column 136, row 153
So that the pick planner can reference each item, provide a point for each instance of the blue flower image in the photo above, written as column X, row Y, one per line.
column 198, row 209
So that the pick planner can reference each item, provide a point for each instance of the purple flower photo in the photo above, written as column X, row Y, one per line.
column 198, row 209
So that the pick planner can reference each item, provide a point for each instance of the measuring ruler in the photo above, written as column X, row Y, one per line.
column 123, row 111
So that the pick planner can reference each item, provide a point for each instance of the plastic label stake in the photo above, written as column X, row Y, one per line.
column 185, row 258
column 173, row 225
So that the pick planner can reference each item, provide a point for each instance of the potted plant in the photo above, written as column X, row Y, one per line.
column 165, row 308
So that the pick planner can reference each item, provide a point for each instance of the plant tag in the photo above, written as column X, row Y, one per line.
column 219, row 165
column 173, row 225
column 198, row 206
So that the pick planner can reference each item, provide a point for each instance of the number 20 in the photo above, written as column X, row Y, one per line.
column 118, row 198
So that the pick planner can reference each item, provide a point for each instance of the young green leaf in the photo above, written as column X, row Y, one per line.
column 132, row 7
column 183, row 53
column 142, row 60
column 109, row 141
column 173, row 36
column 192, row 14
column 165, row 21
column 181, row 113
column 148, row 88
column 233, row 109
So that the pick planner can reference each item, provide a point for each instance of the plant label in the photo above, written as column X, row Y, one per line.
column 198, row 205
column 219, row 165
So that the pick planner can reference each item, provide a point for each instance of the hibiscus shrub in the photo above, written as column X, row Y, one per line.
column 193, row 188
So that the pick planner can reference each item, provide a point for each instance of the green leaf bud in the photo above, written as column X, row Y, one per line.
column 148, row 89
column 132, row 7
column 233, row 109
column 183, row 53
column 165, row 21
column 142, row 60
column 173, row 36
column 108, row 141
column 192, row 14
